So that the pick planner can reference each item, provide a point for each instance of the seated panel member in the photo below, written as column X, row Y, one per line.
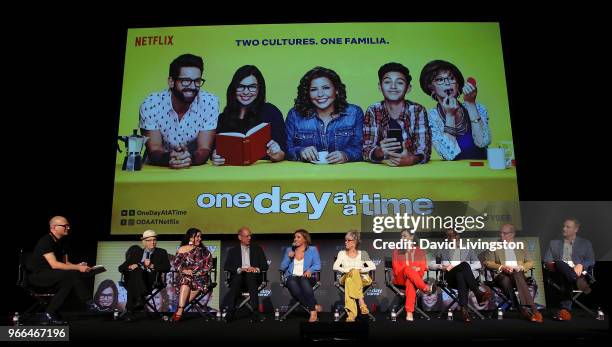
column 408, row 267
column 299, row 263
column 245, row 262
column 193, row 262
column 180, row 122
column 395, row 112
column 50, row 267
column 247, row 107
column 141, row 267
column 461, row 270
column 569, row 260
column 355, row 266
column 323, row 121
column 460, row 130
column 511, row 266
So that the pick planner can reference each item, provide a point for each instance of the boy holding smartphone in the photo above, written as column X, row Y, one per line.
column 396, row 131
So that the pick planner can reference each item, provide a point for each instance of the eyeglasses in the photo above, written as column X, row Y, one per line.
column 251, row 88
column 67, row 226
column 186, row 82
column 443, row 80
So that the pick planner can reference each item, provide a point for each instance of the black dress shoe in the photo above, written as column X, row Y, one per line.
column 229, row 317
column 51, row 319
column 129, row 317
column 257, row 317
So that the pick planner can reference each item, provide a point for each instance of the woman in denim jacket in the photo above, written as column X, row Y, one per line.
column 323, row 121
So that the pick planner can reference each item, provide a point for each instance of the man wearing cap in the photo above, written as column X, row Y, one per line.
column 140, row 269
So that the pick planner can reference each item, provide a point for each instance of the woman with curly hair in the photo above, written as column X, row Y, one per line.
column 323, row 121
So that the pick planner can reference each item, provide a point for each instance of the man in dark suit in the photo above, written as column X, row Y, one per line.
column 245, row 263
column 142, row 267
column 569, row 260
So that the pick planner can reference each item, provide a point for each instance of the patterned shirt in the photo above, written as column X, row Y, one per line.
column 445, row 144
column 156, row 113
column 414, row 123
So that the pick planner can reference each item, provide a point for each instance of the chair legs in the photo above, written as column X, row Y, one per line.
column 245, row 302
column 417, row 309
column 583, row 306
column 453, row 296
column 370, row 316
column 291, row 309
column 365, row 292
column 202, row 309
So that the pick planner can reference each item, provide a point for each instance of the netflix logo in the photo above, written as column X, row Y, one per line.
column 154, row 41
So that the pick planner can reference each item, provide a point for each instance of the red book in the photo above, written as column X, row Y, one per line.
column 244, row 149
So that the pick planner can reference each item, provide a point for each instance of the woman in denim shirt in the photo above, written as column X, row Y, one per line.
column 299, row 264
column 322, row 120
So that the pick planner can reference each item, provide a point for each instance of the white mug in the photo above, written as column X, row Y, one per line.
column 323, row 156
column 496, row 158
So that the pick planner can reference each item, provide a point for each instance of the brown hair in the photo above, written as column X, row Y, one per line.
column 576, row 222
column 305, row 234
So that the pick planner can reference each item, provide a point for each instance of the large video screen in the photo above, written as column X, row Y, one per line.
column 359, row 119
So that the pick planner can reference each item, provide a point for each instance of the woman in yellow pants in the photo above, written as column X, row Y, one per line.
column 355, row 265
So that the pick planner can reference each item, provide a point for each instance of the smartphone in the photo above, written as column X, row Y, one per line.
column 396, row 133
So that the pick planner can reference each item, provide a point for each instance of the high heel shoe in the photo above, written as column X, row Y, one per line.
column 409, row 316
column 350, row 317
column 310, row 320
column 177, row 317
column 364, row 309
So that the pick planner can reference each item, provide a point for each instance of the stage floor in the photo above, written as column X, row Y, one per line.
column 194, row 328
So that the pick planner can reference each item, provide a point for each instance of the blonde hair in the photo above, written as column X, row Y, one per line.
column 356, row 235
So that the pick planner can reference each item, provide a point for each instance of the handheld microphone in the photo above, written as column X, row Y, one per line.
column 293, row 246
column 147, row 257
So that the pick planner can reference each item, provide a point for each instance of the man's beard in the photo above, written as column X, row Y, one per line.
column 179, row 95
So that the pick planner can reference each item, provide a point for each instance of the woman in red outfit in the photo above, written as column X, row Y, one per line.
column 409, row 266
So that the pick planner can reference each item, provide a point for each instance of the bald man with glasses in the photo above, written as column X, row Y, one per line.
column 50, row 267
